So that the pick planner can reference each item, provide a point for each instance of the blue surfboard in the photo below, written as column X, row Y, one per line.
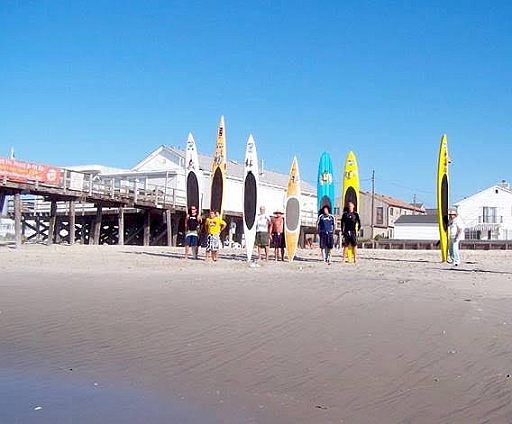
column 325, row 183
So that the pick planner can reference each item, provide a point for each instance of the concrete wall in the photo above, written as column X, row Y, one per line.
column 416, row 232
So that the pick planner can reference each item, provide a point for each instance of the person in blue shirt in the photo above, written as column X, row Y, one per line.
column 326, row 225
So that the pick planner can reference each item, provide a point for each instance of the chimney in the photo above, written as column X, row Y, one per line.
column 504, row 184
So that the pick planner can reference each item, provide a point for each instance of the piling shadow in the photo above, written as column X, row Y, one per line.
column 477, row 270
column 173, row 255
column 230, row 257
column 421, row 261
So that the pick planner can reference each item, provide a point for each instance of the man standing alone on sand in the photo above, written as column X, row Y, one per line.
column 350, row 224
column 214, row 226
column 326, row 224
column 263, row 225
column 192, row 223
column 455, row 232
column 278, row 234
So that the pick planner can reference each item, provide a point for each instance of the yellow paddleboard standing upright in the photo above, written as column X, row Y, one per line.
column 443, row 199
column 219, row 171
column 292, row 211
column 350, row 190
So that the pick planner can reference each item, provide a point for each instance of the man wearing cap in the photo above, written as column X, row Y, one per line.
column 455, row 233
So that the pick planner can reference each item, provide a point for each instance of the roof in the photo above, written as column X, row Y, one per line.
column 97, row 169
column 493, row 187
column 391, row 201
column 236, row 169
column 417, row 219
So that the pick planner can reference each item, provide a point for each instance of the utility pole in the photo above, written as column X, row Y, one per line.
column 414, row 204
column 373, row 207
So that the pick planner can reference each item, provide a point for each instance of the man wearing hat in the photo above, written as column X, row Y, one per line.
column 455, row 233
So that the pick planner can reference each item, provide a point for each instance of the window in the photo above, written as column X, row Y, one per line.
column 391, row 211
column 490, row 215
column 380, row 215
column 470, row 234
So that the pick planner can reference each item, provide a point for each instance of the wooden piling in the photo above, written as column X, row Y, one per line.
column 53, row 221
column 97, row 225
column 17, row 219
column 176, row 228
column 120, row 227
column 72, row 222
column 147, row 228
column 168, row 225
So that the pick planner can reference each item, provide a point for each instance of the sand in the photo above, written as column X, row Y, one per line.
column 130, row 334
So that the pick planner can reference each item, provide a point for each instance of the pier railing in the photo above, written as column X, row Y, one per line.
column 91, row 188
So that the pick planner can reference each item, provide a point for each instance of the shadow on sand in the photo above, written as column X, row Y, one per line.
column 477, row 270
column 240, row 257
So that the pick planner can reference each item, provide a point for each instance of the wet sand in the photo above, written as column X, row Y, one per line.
column 399, row 338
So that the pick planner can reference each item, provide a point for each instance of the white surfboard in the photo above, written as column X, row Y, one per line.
column 251, row 180
column 193, row 178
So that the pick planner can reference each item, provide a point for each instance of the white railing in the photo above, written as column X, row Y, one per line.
column 113, row 188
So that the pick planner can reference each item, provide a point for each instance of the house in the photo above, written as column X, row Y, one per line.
column 487, row 215
column 417, row 227
column 386, row 211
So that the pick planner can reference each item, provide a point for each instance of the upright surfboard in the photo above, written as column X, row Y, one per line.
column 350, row 189
column 219, row 171
column 250, row 195
column 325, row 183
column 193, row 176
column 443, row 199
column 292, row 213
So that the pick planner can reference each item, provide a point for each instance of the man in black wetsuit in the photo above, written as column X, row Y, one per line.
column 350, row 224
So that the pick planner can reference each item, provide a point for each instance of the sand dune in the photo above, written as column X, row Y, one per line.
column 399, row 338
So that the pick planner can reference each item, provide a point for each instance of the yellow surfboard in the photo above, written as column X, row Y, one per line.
column 218, row 185
column 292, row 212
column 443, row 199
column 351, row 190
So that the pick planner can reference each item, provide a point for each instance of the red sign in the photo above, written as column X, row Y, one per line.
column 26, row 172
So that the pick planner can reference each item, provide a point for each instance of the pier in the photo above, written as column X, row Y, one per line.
column 91, row 210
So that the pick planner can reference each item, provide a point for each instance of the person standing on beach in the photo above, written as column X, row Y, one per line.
column 455, row 232
column 350, row 224
column 278, row 240
column 263, row 226
column 192, row 224
column 214, row 226
column 326, row 224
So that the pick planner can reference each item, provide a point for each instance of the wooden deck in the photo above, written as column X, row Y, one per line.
column 101, row 193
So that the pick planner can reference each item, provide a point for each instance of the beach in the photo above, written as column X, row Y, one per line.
column 114, row 334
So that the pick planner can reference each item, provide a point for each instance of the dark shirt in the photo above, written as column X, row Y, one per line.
column 192, row 223
column 325, row 223
column 350, row 222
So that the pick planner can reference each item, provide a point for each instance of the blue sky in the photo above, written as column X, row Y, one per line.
column 108, row 82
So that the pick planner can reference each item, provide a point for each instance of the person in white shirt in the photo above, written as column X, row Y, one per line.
column 263, row 224
column 455, row 234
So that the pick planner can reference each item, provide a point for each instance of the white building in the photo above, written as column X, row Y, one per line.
column 165, row 168
column 487, row 215
column 416, row 227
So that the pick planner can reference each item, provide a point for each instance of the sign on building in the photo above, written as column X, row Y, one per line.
column 27, row 171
